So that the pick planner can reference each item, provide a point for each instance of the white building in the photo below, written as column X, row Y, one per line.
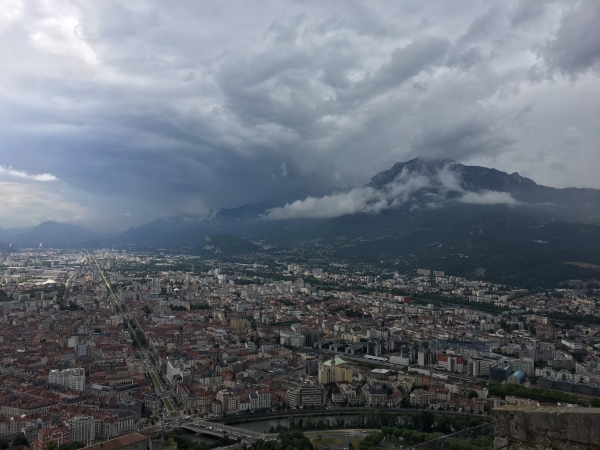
column 572, row 344
column 260, row 400
column 73, row 379
column 82, row 429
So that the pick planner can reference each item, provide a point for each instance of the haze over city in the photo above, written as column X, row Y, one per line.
column 116, row 113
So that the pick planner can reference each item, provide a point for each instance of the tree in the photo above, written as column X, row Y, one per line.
column 20, row 440
column 427, row 421
column 473, row 394
column 75, row 445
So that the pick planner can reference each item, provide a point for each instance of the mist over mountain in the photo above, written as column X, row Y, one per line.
column 431, row 184
column 466, row 220
column 578, row 203
column 462, row 219
column 419, row 185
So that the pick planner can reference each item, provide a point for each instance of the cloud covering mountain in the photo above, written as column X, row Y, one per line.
column 116, row 113
column 442, row 181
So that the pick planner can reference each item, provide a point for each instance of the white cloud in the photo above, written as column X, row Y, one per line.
column 283, row 169
column 367, row 199
column 62, row 34
column 488, row 198
column 370, row 200
column 23, row 203
column 21, row 174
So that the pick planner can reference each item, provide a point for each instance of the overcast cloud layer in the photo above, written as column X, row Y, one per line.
column 114, row 113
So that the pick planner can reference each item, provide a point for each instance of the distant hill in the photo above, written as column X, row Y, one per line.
column 544, row 236
column 517, row 246
column 190, row 229
column 54, row 233
column 224, row 244
column 183, row 230
column 469, row 221
column 4, row 247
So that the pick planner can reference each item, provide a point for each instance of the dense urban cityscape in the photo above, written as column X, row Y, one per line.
column 300, row 225
column 102, row 343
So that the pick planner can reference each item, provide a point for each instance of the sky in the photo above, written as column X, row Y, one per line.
column 115, row 113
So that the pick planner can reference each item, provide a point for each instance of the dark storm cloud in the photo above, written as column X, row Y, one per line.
column 150, row 108
column 527, row 11
column 463, row 139
column 576, row 46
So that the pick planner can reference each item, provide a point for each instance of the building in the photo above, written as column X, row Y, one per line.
column 380, row 374
column 177, row 372
column 425, row 357
column 346, row 395
column 311, row 337
column 374, row 395
column 229, row 400
column 516, row 378
column 152, row 403
column 73, row 379
column 451, row 363
column 260, row 400
column 420, row 397
column 82, row 429
column 306, row 396
column 133, row 441
column 81, row 350
column 312, row 395
column 291, row 339
column 500, row 373
column 60, row 435
column 335, row 370
column 480, row 367
column 525, row 365
column 572, row 344
column 239, row 323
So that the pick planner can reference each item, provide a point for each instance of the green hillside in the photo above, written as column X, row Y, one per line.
column 519, row 245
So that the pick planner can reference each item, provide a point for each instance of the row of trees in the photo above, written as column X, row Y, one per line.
column 424, row 421
column 289, row 440
column 539, row 394
column 19, row 439
column 52, row 445
column 371, row 442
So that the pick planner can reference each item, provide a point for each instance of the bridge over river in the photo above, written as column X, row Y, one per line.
column 220, row 430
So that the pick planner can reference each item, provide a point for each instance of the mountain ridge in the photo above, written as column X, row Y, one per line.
column 434, row 223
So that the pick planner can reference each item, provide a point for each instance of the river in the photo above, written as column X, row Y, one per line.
column 262, row 426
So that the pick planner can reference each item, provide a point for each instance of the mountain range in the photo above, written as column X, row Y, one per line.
column 438, row 214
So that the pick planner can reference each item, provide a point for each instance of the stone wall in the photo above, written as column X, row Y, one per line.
column 547, row 428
